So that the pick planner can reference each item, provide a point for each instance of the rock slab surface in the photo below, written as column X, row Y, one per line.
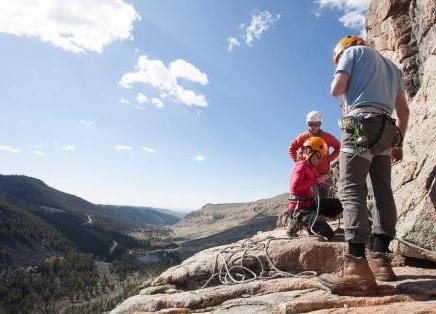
column 175, row 290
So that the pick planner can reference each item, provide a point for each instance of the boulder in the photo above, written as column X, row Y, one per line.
column 405, row 32
column 294, row 255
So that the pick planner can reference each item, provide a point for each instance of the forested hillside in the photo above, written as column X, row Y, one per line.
column 58, row 250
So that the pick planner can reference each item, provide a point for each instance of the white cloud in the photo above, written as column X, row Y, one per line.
column 344, row 4
column 157, row 102
column 76, row 26
column 141, row 98
column 200, row 158
column 260, row 22
column 165, row 79
column 38, row 146
column 39, row 153
column 87, row 123
column 69, row 148
column 232, row 42
column 182, row 69
column 123, row 147
column 353, row 11
column 148, row 149
column 9, row 149
column 124, row 101
column 353, row 20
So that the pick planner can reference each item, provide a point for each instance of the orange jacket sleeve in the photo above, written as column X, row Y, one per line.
column 296, row 144
column 332, row 142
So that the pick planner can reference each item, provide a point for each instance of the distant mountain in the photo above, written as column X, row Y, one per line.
column 216, row 224
column 34, row 195
column 168, row 211
column 141, row 216
column 89, row 227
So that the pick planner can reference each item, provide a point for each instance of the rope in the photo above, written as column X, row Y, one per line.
column 410, row 244
column 415, row 246
column 314, row 220
column 232, row 270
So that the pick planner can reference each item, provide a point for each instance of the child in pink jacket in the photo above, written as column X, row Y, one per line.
column 302, row 203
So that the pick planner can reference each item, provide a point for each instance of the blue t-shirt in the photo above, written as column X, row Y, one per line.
column 374, row 80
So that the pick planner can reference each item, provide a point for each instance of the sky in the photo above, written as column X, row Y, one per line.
column 171, row 104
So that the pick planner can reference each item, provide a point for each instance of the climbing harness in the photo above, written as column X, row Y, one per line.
column 358, row 140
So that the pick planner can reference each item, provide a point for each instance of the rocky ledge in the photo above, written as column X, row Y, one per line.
column 179, row 289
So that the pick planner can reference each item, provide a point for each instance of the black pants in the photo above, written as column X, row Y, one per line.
column 329, row 207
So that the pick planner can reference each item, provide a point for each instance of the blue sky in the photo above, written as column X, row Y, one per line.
column 146, row 103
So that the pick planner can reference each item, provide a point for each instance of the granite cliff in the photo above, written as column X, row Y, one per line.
column 405, row 32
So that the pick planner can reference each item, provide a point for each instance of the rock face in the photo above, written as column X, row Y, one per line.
column 177, row 290
column 405, row 32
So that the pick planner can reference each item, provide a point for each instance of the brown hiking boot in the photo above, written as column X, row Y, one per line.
column 380, row 264
column 352, row 277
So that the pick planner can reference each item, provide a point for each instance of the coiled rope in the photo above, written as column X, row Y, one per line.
column 232, row 270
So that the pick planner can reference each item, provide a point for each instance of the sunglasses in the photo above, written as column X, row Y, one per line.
column 314, row 124
column 319, row 157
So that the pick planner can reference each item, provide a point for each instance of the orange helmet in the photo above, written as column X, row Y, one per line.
column 345, row 43
column 317, row 144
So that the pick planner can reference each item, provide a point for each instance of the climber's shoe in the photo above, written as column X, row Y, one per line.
column 353, row 277
column 293, row 226
column 380, row 264
column 320, row 227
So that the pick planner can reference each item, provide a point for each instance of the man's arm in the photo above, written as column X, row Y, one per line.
column 402, row 110
column 339, row 84
column 296, row 144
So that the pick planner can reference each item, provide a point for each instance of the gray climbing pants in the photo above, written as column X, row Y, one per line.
column 353, row 188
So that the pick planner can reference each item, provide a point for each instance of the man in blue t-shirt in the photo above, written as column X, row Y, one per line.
column 373, row 88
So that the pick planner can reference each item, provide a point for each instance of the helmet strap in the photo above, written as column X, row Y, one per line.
column 309, row 153
column 310, row 157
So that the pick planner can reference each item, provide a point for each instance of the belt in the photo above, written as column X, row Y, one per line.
column 293, row 197
column 365, row 109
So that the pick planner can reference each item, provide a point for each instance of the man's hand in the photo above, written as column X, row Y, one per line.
column 396, row 155
column 300, row 157
column 322, row 179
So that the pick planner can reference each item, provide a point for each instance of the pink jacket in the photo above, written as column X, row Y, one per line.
column 303, row 178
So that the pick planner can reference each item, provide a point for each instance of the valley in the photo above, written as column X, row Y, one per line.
column 60, row 252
